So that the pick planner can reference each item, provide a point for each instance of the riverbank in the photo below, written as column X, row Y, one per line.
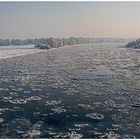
column 14, row 51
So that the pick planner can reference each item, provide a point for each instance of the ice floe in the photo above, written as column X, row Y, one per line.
column 112, row 135
column 95, row 116
column 35, row 131
column 53, row 102
column 127, row 136
column 70, row 135
column 33, row 98
column 58, row 110
column 74, row 135
column 20, row 100
column 87, row 106
column 109, row 103
column 60, row 135
column 1, row 120
column 135, row 102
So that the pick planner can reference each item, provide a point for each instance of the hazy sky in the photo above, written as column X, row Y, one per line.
column 65, row 19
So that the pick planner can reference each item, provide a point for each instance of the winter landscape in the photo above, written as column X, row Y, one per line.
column 68, row 87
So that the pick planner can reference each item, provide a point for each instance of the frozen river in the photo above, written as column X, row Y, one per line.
column 80, row 91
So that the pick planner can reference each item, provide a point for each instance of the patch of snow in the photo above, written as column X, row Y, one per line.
column 14, row 51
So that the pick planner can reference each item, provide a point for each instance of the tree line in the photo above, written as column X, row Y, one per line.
column 134, row 44
column 56, row 42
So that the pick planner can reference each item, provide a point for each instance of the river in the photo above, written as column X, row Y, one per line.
column 79, row 91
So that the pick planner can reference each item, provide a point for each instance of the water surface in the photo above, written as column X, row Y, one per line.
column 80, row 91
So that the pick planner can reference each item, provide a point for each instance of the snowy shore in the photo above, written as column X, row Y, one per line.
column 13, row 51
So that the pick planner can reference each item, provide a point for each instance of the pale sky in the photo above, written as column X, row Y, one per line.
column 65, row 19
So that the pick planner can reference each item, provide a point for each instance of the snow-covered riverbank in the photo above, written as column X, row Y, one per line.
column 13, row 51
